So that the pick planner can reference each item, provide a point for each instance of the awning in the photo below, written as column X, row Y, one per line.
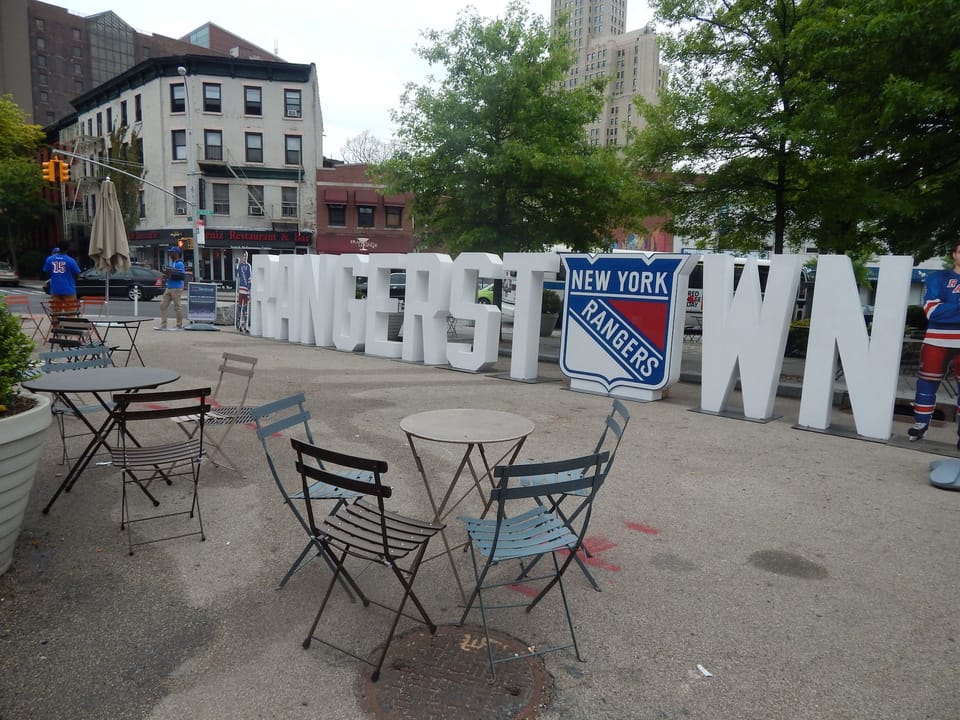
column 367, row 197
column 335, row 196
column 394, row 200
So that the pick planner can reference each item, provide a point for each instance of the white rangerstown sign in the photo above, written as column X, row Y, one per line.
column 623, row 322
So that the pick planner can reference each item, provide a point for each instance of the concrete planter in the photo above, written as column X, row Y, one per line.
column 21, row 440
column 548, row 321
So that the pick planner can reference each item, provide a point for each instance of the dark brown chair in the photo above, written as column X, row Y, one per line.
column 365, row 530
column 168, row 461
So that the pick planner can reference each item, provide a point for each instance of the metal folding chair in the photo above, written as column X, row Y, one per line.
column 19, row 305
column 73, row 332
column 614, row 425
column 363, row 529
column 73, row 359
column 530, row 534
column 286, row 414
column 165, row 461
column 225, row 415
column 93, row 305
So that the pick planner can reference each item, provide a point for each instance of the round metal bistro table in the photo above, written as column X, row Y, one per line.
column 97, row 382
column 475, row 429
column 131, row 326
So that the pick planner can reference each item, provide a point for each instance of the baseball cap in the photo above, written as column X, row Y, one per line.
column 173, row 249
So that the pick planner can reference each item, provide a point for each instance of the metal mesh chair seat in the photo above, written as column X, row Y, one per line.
column 356, row 529
column 534, row 532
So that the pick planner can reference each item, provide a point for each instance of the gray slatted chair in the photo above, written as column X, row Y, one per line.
column 530, row 534
column 225, row 413
column 74, row 359
column 614, row 426
column 365, row 530
column 283, row 415
column 167, row 461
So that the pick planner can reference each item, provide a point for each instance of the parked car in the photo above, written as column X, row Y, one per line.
column 8, row 275
column 137, row 282
column 485, row 295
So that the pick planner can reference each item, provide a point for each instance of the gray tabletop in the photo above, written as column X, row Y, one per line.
column 466, row 425
column 95, row 380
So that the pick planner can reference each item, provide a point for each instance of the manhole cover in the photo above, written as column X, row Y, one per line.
column 447, row 675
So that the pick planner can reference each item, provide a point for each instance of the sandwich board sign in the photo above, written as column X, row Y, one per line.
column 623, row 322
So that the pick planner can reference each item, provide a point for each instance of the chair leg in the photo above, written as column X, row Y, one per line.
column 566, row 606
column 323, row 603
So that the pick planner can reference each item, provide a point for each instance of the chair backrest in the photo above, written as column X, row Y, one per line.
column 73, row 331
column 20, row 303
column 136, row 407
column 239, row 365
column 93, row 303
column 575, row 475
column 75, row 359
column 334, row 469
column 614, row 426
column 59, row 306
column 275, row 417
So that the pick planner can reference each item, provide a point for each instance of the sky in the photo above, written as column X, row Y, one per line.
column 363, row 49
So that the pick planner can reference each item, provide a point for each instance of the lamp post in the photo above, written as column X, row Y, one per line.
column 191, row 179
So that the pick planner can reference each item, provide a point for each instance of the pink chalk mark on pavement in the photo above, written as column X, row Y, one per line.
column 640, row 527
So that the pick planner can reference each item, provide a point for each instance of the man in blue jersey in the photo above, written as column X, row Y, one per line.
column 63, row 271
column 941, row 343
column 175, row 273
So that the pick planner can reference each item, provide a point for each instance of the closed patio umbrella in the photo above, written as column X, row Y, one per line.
column 108, row 238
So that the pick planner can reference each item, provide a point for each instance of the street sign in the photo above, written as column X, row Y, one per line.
column 204, row 212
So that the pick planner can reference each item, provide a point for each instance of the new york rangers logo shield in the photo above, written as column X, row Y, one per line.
column 623, row 315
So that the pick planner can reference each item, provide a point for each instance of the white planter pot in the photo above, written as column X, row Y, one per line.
column 21, row 441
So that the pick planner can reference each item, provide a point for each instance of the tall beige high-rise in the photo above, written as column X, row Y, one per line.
column 631, row 61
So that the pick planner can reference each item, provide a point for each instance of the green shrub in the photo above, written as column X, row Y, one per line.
column 551, row 303
column 15, row 361
column 797, row 338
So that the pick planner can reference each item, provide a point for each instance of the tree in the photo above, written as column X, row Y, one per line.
column 886, row 102
column 496, row 154
column 366, row 148
column 724, row 142
column 127, row 155
column 21, row 181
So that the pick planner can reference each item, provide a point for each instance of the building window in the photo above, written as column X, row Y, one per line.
column 77, row 69
column 146, row 52
column 254, row 199
column 337, row 215
column 254, row 143
column 100, row 124
column 41, row 43
column 292, row 147
column 123, row 113
column 212, row 145
column 365, row 216
column 90, row 126
column 252, row 100
column 42, row 78
column 41, row 60
column 180, row 202
column 288, row 202
column 141, row 204
column 137, row 109
column 394, row 217
column 109, row 120
column 76, row 34
column 211, row 97
column 178, row 98
column 221, row 199
column 78, row 86
column 44, row 96
column 179, row 140
column 292, row 107
column 76, row 52
column 41, row 24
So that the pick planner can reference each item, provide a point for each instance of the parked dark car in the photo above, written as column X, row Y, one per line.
column 137, row 282
column 8, row 274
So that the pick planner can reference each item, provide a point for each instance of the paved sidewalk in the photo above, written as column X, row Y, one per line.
column 813, row 576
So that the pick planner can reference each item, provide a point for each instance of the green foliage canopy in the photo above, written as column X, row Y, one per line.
column 496, row 152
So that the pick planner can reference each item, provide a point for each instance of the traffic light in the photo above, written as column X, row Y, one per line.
column 187, row 243
column 64, row 171
column 50, row 168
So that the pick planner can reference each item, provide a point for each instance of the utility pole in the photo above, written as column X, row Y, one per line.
column 192, row 180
